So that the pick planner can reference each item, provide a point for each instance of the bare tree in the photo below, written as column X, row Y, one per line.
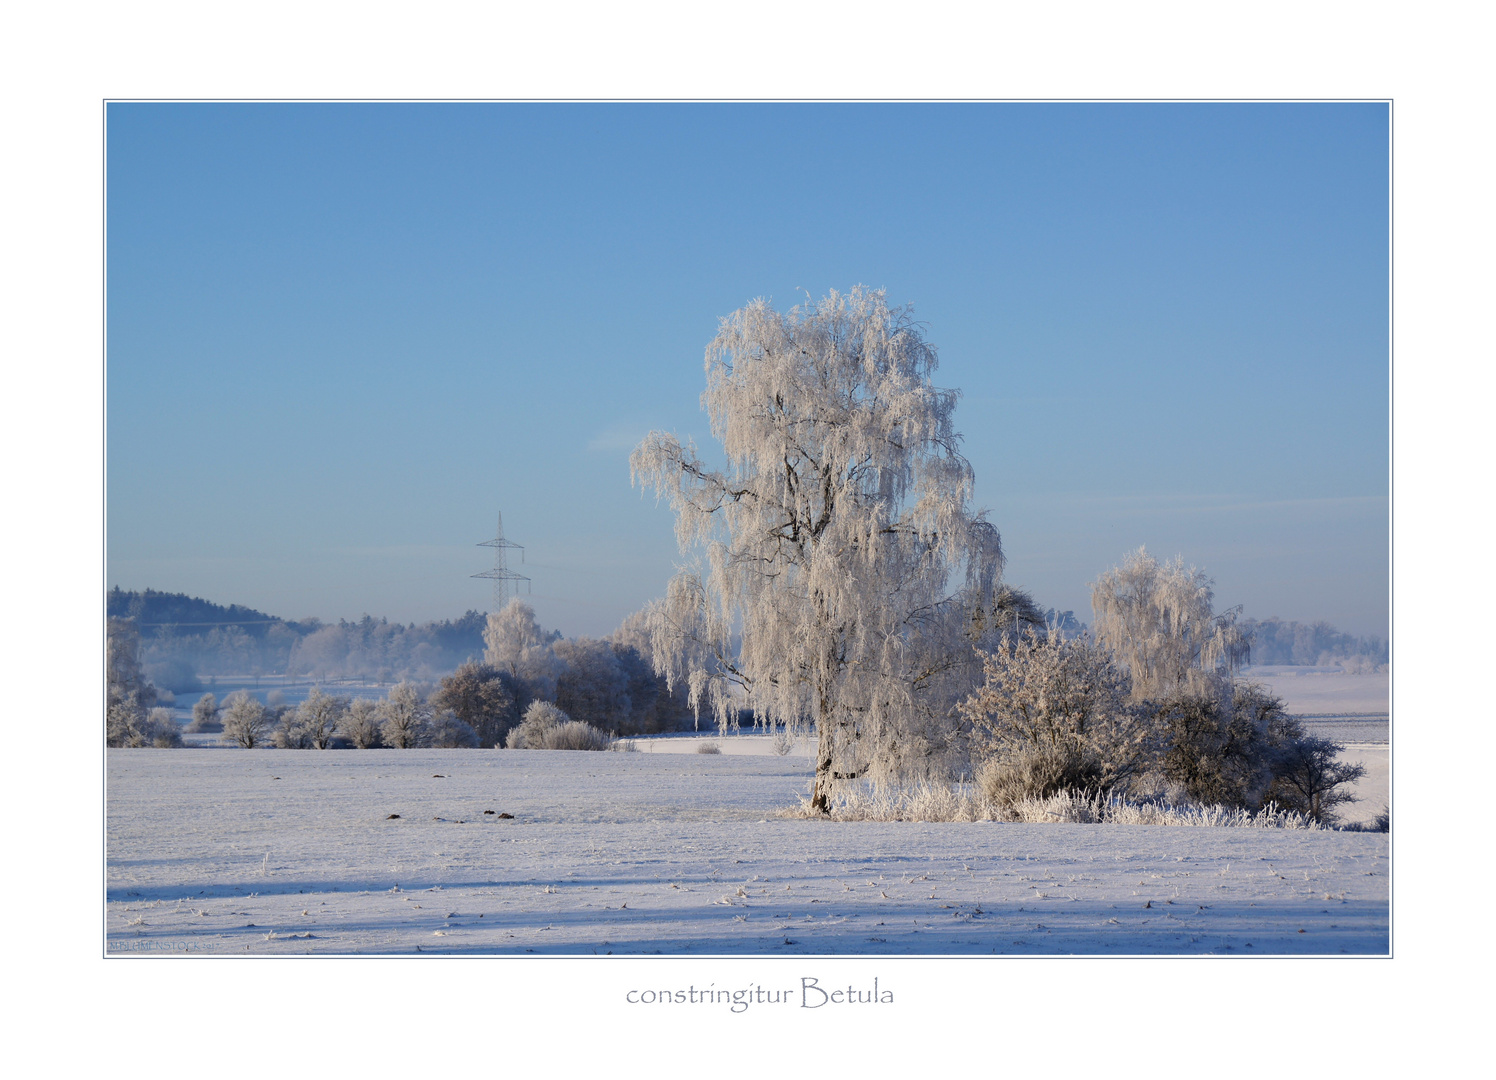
column 829, row 540
column 245, row 722
column 1310, row 776
column 594, row 686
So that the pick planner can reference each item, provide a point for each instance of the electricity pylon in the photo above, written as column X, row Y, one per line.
column 501, row 573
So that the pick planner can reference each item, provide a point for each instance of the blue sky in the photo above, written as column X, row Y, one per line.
column 343, row 337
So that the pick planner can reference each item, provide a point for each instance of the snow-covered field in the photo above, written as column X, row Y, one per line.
column 253, row 852
column 1315, row 692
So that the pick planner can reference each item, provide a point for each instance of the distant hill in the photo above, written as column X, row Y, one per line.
column 154, row 610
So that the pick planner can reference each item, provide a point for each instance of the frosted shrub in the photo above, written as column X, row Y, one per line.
column 1030, row 774
column 1226, row 746
column 448, row 732
column 360, row 723
column 161, row 730
column 784, row 741
column 1053, row 715
column 919, row 801
column 708, row 748
column 205, row 715
column 1381, row 823
column 573, row 735
column 127, row 724
column 1092, row 808
column 245, row 722
column 546, row 727
column 540, row 717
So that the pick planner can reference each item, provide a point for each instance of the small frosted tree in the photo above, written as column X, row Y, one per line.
column 123, row 721
column 826, row 550
column 128, row 693
column 205, row 715
column 360, row 723
column 482, row 698
column 319, row 715
column 245, row 721
column 1158, row 619
column 403, row 717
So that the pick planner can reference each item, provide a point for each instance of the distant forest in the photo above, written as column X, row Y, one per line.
column 1275, row 641
column 183, row 637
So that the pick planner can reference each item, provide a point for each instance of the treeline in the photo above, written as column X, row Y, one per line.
column 607, row 683
column 381, row 651
column 183, row 637
column 475, row 707
column 1274, row 641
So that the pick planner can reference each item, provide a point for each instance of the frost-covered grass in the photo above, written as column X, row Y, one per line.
column 962, row 802
column 271, row 851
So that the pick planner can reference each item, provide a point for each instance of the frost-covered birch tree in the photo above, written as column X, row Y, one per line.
column 516, row 644
column 1159, row 620
column 838, row 574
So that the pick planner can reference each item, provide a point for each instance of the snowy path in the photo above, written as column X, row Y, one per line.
column 255, row 852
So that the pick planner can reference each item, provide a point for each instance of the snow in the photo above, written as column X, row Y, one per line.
column 1314, row 691
column 263, row 852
